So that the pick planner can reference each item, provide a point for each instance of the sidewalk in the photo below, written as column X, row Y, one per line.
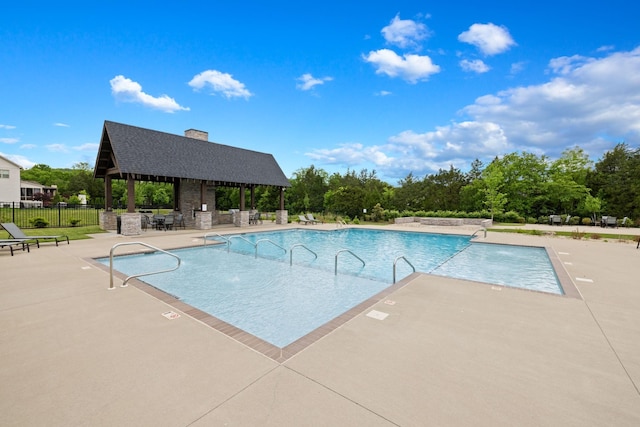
column 450, row 352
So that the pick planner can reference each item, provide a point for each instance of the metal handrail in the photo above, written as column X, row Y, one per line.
column 346, row 250
column 475, row 233
column 243, row 238
column 394, row 266
column 218, row 235
column 299, row 245
column 269, row 241
column 124, row 284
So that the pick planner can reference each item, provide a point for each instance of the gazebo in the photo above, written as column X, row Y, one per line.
column 191, row 163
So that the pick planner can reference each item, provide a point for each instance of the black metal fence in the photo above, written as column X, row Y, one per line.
column 61, row 215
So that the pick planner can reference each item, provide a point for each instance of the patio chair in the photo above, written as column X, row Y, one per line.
column 17, row 234
column 302, row 219
column 555, row 219
column 158, row 221
column 179, row 221
column 168, row 222
column 11, row 243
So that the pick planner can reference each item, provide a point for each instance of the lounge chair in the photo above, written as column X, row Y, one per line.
column 612, row 221
column 11, row 243
column 311, row 218
column 303, row 219
column 555, row 219
column 17, row 234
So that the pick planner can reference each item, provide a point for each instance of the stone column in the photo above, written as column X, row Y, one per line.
column 241, row 219
column 130, row 224
column 282, row 217
column 108, row 220
column 203, row 220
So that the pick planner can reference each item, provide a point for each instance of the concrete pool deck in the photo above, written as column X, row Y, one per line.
column 449, row 352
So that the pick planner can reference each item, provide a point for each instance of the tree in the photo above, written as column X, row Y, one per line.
column 308, row 187
column 494, row 180
column 616, row 180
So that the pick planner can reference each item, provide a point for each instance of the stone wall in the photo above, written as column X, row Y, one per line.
column 448, row 222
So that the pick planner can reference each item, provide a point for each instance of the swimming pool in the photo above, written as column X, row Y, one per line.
column 280, row 286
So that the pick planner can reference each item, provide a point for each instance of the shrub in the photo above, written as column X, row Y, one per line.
column 595, row 236
column 356, row 220
column 577, row 235
column 74, row 222
column 586, row 221
column 39, row 222
column 574, row 220
column 531, row 220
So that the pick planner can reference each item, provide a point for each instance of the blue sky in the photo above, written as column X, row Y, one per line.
column 396, row 87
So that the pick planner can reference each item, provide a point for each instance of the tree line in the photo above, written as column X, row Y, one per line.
column 519, row 186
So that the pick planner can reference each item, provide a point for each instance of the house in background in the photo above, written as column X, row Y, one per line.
column 9, row 182
column 17, row 193
column 30, row 188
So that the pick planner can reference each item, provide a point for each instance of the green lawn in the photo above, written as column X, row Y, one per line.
column 74, row 233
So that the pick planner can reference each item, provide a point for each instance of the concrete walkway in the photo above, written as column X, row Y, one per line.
column 449, row 353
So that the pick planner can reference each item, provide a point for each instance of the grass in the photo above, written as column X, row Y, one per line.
column 574, row 234
column 74, row 233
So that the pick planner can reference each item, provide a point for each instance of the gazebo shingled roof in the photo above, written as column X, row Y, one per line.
column 150, row 155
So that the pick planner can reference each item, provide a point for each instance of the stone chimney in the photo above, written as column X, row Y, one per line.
column 196, row 134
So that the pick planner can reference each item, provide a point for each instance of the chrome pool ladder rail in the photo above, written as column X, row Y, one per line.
column 349, row 251
column 475, row 233
column 396, row 261
column 124, row 283
column 226, row 239
column 299, row 245
column 268, row 241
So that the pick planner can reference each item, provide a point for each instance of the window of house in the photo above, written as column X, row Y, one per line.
column 4, row 173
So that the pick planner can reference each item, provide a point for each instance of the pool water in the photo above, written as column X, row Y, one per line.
column 281, row 295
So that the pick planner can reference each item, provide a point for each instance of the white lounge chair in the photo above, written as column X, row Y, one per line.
column 302, row 219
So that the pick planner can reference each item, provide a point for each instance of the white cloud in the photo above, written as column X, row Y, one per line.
column 590, row 101
column 62, row 125
column 307, row 81
column 90, row 146
column 28, row 146
column 126, row 90
column 57, row 148
column 349, row 154
column 9, row 140
column 593, row 103
column 405, row 33
column 219, row 82
column 476, row 66
column 489, row 38
column 517, row 67
column 383, row 93
column 412, row 68
column 20, row 160
column 6, row 126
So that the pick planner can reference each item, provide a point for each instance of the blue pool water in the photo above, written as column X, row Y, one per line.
column 280, row 297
